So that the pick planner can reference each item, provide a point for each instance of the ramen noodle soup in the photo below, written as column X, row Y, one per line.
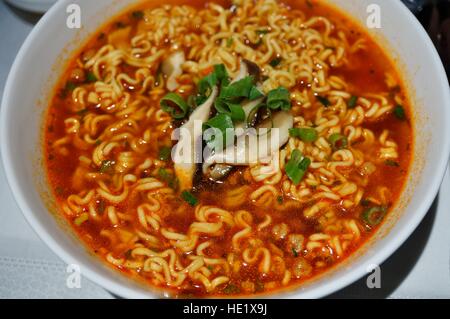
column 326, row 94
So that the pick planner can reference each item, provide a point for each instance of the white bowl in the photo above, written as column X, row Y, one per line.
column 37, row 6
column 39, row 64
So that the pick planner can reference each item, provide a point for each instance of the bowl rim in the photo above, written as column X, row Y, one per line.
column 326, row 287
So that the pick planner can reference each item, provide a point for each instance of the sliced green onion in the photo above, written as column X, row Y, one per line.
column 279, row 99
column 258, row 43
column 192, row 101
column 338, row 141
column 220, row 122
column 174, row 104
column 91, row 78
column 231, row 289
column 275, row 62
column 59, row 190
column 81, row 219
column 189, row 198
column 262, row 31
column 255, row 93
column 239, row 88
column 259, row 285
column 107, row 166
column 221, row 74
column 391, row 163
column 352, row 102
column 374, row 215
column 70, row 86
column 158, row 75
column 308, row 135
column 294, row 252
column 297, row 166
column 231, row 94
column 168, row 178
column 229, row 42
column 280, row 199
column 235, row 111
column 164, row 153
column 200, row 99
column 218, row 76
column 138, row 15
column 325, row 102
column 207, row 83
column 399, row 112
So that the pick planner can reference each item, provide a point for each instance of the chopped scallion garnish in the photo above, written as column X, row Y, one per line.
column 308, row 135
column 255, row 93
column 91, row 78
column 280, row 199
column 189, row 198
column 81, row 219
column 107, row 166
column 70, row 86
column 165, row 176
column 174, row 104
column 138, row 15
column 325, row 102
column 374, row 215
column 279, row 99
column 391, row 163
column 297, row 166
column 352, row 102
column 231, row 289
column 235, row 111
column 399, row 112
column 262, row 31
column 218, row 76
column 338, row 141
column 237, row 89
column 275, row 62
column 220, row 122
column 164, row 153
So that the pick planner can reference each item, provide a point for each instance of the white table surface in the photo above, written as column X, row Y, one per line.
column 28, row 269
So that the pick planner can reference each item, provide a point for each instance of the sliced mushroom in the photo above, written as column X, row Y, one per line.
column 253, row 69
column 219, row 171
column 171, row 67
column 185, row 167
column 243, row 72
column 248, row 107
column 244, row 153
